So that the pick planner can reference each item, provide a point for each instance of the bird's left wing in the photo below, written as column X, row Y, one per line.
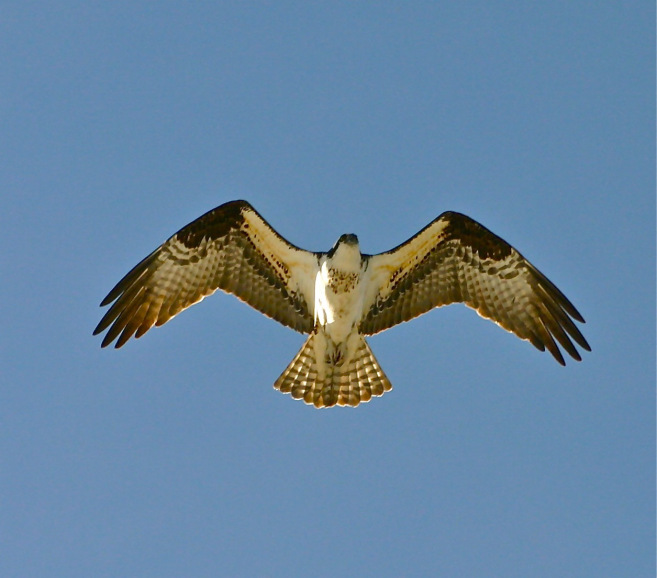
column 454, row 259
column 231, row 248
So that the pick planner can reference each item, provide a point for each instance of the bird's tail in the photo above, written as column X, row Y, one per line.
column 350, row 383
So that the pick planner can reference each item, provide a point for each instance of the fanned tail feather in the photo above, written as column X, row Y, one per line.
column 351, row 383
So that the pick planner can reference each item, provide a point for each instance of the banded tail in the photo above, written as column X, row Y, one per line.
column 350, row 383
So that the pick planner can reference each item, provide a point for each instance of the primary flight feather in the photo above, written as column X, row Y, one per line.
column 340, row 296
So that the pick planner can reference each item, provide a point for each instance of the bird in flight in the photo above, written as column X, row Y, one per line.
column 340, row 296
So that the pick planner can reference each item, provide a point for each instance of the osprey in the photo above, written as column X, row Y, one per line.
column 340, row 296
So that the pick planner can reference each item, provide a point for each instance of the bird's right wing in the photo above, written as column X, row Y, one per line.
column 231, row 248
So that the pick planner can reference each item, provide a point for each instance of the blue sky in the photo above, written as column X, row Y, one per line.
column 123, row 121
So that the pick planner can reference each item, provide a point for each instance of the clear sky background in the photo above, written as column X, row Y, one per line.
column 123, row 121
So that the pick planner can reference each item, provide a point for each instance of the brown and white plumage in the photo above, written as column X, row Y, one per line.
column 346, row 384
column 230, row 248
column 341, row 295
column 456, row 260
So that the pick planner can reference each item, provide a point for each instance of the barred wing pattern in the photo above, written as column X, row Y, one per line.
column 456, row 260
column 231, row 248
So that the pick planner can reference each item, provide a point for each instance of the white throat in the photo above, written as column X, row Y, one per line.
column 347, row 258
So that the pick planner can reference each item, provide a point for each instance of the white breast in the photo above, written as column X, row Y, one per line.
column 338, row 300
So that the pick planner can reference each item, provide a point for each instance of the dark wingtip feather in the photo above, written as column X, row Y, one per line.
column 106, row 341
column 124, row 337
column 108, row 298
column 574, row 313
column 103, row 324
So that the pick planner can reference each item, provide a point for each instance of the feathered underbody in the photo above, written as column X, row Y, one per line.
column 341, row 296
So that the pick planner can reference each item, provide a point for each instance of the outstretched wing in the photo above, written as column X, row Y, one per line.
column 456, row 260
column 230, row 248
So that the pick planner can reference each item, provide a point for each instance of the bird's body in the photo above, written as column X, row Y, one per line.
column 338, row 305
column 340, row 296
column 336, row 364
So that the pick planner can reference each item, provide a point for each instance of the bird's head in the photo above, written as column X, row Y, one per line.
column 347, row 239
column 345, row 246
